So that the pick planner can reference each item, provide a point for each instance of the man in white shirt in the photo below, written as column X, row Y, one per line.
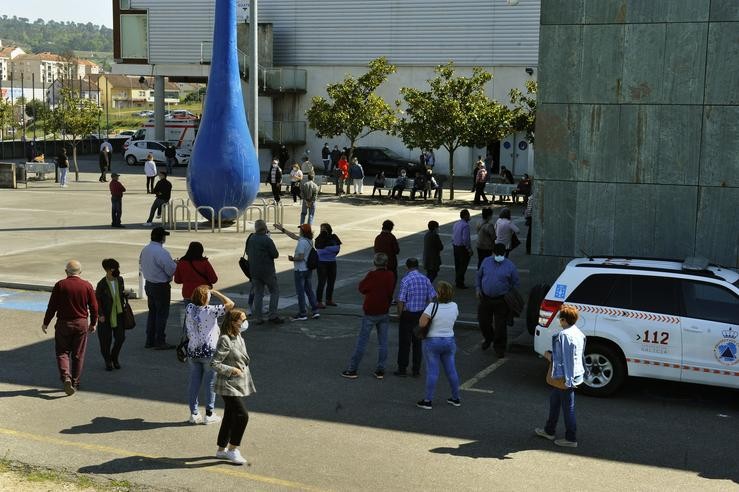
column 157, row 267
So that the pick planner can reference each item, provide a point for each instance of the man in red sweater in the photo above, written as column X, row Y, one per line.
column 116, row 199
column 377, row 288
column 387, row 243
column 72, row 301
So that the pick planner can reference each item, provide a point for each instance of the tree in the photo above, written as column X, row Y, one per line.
column 454, row 113
column 75, row 117
column 355, row 110
column 523, row 114
column 6, row 116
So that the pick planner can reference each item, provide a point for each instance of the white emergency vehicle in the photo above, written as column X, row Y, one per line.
column 180, row 132
column 662, row 319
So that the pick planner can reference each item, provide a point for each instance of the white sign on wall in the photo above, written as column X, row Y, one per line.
column 242, row 11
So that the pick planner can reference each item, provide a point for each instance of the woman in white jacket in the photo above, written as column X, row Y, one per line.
column 504, row 230
column 150, row 169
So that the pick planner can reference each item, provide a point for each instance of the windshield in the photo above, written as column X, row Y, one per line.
column 394, row 155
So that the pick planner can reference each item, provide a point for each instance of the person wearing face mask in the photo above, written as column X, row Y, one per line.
column 495, row 278
column 233, row 382
column 157, row 267
column 201, row 325
column 111, row 299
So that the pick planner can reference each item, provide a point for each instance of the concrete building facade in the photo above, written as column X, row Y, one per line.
column 637, row 131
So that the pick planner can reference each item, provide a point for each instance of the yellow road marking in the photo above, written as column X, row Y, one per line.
column 125, row 453
column 468, row 385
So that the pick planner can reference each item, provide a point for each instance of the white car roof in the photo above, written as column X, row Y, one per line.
column 687, row 267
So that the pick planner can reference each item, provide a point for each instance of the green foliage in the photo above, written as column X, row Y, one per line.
column 6, row 115
column 36, row 109
column 454, row 113
column 354, row 110
column 194, row 97
column 523, row 114
column 74, row 116
column 55, row 37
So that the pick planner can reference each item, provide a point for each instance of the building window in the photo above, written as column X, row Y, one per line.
column 134, row 36
column 125, row 4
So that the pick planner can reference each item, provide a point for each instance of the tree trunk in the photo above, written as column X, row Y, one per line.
column 451, row 174
column 74, row 159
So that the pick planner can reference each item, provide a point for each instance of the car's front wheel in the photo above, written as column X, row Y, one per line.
column 605, row 370
column 131, row 160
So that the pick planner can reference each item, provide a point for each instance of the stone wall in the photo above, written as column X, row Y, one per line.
column 638, row 130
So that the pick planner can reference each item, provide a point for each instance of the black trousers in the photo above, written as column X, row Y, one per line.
column 275, row 191
column 480, row 193
column 233, row 425
column 106, row 335
column 295, row 191
column 326, row 279
column 528, row 240
column 431, row 274
column 482, row 254
column 406, row 341
column 492, row 315
column 150, row 184
column 461, row 261
column 116, row 210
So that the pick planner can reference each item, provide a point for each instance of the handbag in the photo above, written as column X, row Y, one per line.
column 243, row 262
column 558, row 383
column 515, row 243
column 182, row 348
column 421, row 333
column 129, row 320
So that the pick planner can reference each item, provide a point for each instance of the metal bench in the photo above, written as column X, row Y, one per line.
column 40, row 169
column 505, row 191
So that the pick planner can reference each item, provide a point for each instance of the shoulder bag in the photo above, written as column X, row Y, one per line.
column 129, row 320
column 558, row 383
column 243, row 262
column 421, row 333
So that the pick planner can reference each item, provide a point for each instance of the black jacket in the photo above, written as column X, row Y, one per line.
column 278, row 175
column 105, row 300
column 432, row 247
column 163, row 190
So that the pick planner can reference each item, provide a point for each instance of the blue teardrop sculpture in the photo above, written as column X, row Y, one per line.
column 224, row 168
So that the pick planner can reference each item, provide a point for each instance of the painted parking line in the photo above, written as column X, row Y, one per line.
column 469, row 384
column 125, row 453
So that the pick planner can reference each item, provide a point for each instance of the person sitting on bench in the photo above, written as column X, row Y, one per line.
column 419, row 186
column 379, row 183
column 400, row 184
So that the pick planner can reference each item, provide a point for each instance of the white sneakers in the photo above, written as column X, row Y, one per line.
column 196, row 418
column 233, row 455
column 222, row 455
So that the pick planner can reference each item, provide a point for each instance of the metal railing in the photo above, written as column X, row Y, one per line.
column 279, row 132
column 263, row 209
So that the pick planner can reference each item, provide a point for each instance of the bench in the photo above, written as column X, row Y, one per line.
column 40, row 169
column 500, row 189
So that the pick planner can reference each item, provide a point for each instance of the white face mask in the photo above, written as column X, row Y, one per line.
column 244, row 326
column 499, row 258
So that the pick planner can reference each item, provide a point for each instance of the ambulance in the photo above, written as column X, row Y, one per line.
column 178, row 131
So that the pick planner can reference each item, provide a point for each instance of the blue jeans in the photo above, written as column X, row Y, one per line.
column 200, row 371
column 435, row 350
column 382, row 322
column 311, row 211
column 565, row 399
column 303, row 287
column 158, row 297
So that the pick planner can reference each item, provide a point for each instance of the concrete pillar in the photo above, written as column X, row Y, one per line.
column 159, row 107
column 254, row 73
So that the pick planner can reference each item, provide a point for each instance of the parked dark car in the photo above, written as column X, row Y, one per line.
column 376, row 159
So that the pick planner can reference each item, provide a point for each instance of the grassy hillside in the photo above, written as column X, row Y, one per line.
column 55, row 37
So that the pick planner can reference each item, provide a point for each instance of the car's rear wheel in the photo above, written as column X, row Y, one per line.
column 536, row 295
column 131, row 160
column 605, row 370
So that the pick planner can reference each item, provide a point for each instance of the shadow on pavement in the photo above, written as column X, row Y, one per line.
column 104, row 425
column 146, row 463
column 35, row 393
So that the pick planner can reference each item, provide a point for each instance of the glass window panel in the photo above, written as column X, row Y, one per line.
column 134, row 36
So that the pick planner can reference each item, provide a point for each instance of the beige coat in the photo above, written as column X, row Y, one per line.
column 231, row 353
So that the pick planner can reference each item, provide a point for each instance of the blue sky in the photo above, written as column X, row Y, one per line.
column 95, row 11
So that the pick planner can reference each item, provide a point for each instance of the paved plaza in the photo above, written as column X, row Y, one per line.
column 309, row 428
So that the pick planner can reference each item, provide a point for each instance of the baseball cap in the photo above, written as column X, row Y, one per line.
column 114, row 175
column 158, row 233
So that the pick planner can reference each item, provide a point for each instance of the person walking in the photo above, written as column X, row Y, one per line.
column 163, row 193
column 296, row 177
column 233, row 383
column 379, row 183
column 104, row 163
column 462, row 247
column 110, row 296
column 377, row 288
column 387, row 243
column 170, row 153
column 194, row 269
column 335, row 155
column 283, row 156
column 274, row 179
column 439, row 346
column 529, row 216
column 496, row 277
column 432, row 247
column 326, row 157
column 302, row 273
column 415, row 294
column 356, row 172
column 74, row 304
column 485, row 236
column 568, row 369
column 328, row 246
column 63, row 163
column 116, row 200
column 262, row 253
column 157, row 267
column 504, row 230
column 342, row 175
column 307, row 168
column 481, row 179
column 201, row 327
column 309, row 192
column 150, row 170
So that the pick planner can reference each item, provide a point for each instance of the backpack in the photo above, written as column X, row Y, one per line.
column 312, row 261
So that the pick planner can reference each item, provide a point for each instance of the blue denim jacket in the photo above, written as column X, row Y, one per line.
column 567, row 356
